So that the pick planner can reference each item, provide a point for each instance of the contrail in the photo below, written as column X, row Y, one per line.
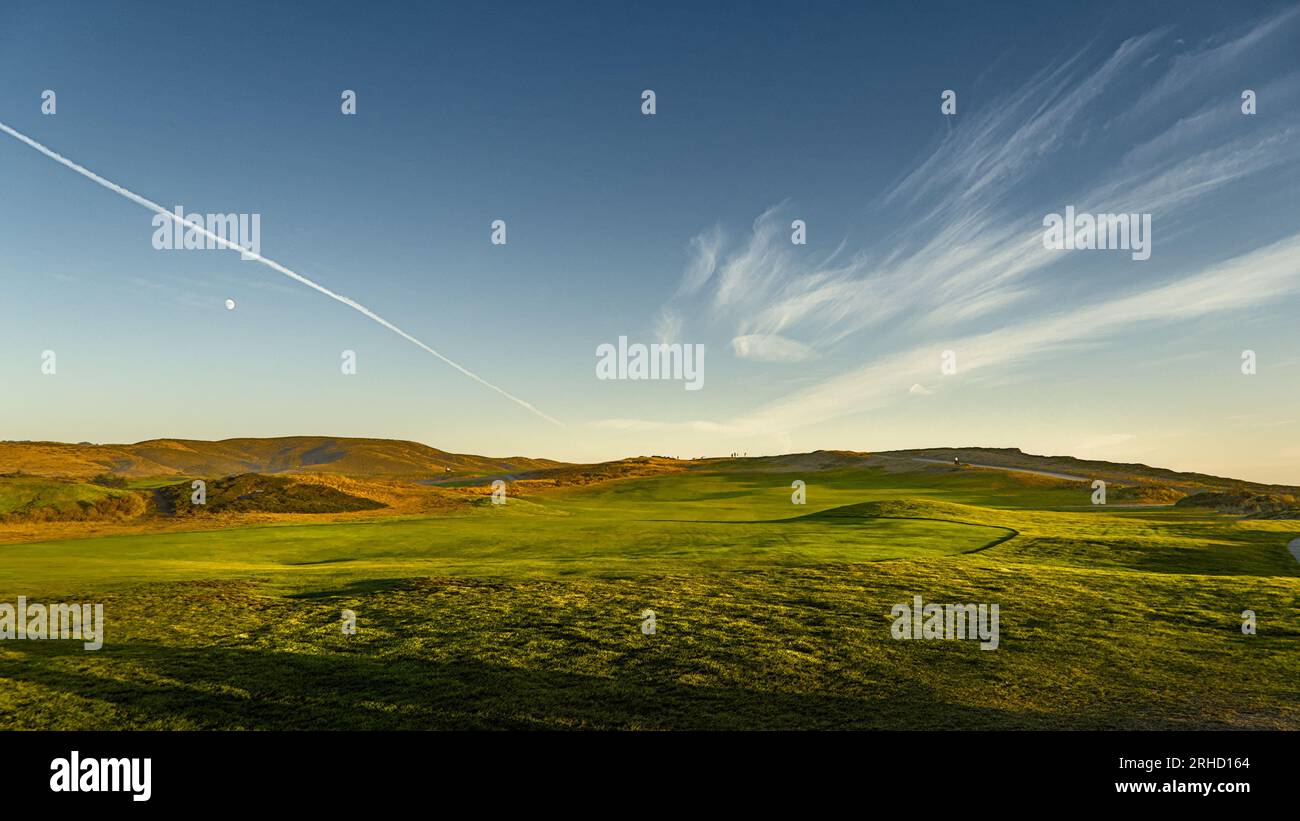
column 270, row 263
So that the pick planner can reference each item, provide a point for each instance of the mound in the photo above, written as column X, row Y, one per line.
column 909, row 509
column 25, row 499
column 1146, row 494
column 256, row 493
column 571, row 475
column 1246, row 504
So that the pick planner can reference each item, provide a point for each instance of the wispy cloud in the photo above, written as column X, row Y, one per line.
column 969, row 240
column 966, row 252
column 1242, row 282
column 771, row 348
column 1190, row 69
column 1245, row 281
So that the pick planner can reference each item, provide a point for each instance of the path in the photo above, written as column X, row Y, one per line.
column 1065, row 476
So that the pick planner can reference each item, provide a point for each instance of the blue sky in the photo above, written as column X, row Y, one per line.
column 924, row 230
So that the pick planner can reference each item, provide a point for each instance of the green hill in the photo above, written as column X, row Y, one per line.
column 30, row 499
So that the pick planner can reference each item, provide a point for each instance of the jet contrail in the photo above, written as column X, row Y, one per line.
column 270, row 263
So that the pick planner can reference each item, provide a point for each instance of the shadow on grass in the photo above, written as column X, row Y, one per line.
column 361, row 587
column 235, row 688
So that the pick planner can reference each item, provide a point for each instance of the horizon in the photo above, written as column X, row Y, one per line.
column 923, row 230
column 647, row 455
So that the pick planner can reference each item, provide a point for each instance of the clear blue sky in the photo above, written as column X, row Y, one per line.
column 923, row 229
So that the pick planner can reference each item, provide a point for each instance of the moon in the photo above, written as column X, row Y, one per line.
column 230, row 304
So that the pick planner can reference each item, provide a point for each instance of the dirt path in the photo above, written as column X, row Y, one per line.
column 475, row 480
column 1065, row 476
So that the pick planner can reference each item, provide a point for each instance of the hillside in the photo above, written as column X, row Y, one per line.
column 1250, row 505
column 1132, row 481
column 770, row 614
column 228, row 457
column 35, row 500
column 156, row 459
column 1089, row 469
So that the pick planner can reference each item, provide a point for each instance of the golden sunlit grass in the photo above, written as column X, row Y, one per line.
column 769, row 615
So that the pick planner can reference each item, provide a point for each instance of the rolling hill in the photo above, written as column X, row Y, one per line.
column 229, row 457
column 412, row 470
column 1142, row 481
column 771, row 613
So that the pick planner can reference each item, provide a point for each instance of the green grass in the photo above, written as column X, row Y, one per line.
column 512, row 541
column 768, row 614
column 20, row 493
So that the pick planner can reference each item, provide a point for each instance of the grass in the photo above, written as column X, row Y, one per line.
column 768, row 615
column 22, row 493
column 519, row 539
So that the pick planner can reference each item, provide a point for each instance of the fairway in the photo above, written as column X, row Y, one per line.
column 527, row 539
column 768, row 614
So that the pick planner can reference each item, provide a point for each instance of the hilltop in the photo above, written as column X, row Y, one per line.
column 413, row 461
column 147, row 484
column 1144, row 482
column 1089, row 469
column 229, row 457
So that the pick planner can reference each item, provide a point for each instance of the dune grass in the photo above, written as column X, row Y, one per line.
column 20, row 493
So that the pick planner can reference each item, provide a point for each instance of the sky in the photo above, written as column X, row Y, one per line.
column 924, row 229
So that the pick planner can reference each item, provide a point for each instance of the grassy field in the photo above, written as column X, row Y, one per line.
column 769, row 615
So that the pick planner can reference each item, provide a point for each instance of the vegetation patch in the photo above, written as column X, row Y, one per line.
column 33, row 500
column 259, row 493
column 1246, row 504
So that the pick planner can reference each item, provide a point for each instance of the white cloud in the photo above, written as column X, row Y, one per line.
column 971, row 245
column 1246, row 281
column 1188, row 70
column 771, row 348
column 967, row 254
column 668, row 326
column 704, row 249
